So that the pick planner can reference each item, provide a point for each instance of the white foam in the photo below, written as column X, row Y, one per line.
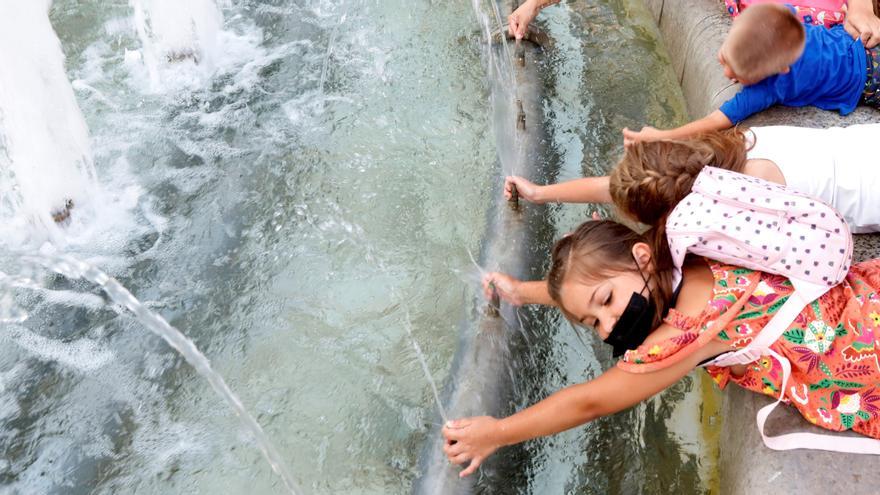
column 83, row 354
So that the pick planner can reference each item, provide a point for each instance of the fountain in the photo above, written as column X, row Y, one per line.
column 483, row 376
column 46, row 170
column 173, row 32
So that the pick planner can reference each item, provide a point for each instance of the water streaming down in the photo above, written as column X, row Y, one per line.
column 177, row 33
column 73, row 268
column 485, row 377
column 46, row 167
column 236, row 202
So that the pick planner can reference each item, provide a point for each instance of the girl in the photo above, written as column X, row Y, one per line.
column 829, row 164
column 609, row 278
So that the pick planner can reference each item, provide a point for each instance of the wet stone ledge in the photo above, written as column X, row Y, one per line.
column 692, row 31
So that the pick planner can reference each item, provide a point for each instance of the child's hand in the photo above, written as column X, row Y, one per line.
column 526, row 189
column 862, row 23
column 506, row 286
column 518, row 21
column 647, row 133
column 470, row 439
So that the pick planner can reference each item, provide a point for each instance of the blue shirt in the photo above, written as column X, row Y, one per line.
column 830, row 74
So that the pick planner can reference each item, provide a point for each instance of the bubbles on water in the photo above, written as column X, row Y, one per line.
column 9, row 311
column 83, row 355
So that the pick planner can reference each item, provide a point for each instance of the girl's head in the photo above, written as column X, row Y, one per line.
column 596, row 269
column 652, row 177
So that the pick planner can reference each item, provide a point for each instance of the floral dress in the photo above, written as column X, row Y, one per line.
column 831, row 345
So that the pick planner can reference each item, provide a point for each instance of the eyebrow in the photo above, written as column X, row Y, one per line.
column 593, row 297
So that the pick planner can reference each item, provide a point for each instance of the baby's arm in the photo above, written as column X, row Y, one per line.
column 586, row 190
column 475, row 439
column 715, row 121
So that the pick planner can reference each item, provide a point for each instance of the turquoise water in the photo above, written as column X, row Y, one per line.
column 285, row 210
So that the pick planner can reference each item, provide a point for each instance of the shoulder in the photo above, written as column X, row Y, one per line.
column 698, row 279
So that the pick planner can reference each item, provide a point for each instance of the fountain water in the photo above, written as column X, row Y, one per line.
column 484, row 376
column 73, row 268
column 177, row 32
column 46, row 169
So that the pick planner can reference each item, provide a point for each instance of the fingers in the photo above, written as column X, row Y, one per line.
column 629, row 137
column 475, row 463
column 874, row 39
column 488, row 289
column 456, row 424
column 453, row 450
column 509, row 181
column 459, row 459
column 513, row 25
column 852, row 30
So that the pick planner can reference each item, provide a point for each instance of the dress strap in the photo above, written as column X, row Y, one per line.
column 714, row 328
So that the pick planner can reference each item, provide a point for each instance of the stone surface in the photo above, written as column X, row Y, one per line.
column 693, row 30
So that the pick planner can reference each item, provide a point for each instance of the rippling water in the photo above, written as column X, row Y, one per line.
column 293, row 209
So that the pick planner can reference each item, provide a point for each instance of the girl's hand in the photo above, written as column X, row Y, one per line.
column 470, row 439
column 518, row 21
column 647, row 133
column 506, row 286
column 527, row 190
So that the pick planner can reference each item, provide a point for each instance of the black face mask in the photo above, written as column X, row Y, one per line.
column 634, row 325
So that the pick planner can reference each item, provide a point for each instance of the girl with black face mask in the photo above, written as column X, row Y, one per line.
column 606, row 277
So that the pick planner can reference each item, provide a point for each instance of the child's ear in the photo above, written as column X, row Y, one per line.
column 642, row 254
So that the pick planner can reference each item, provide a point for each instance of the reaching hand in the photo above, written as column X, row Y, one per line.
column 470, row 439
column 647, row 133
column 518, row 21
column 526, row 189
column 506, row 286
column 862, row 23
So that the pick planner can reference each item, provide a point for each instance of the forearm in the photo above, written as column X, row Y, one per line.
column 544, row 3
column 860, row 6
column 586, row 190
column 535, row 292
column 611, row 392
column 565, row 409
column 715, row 121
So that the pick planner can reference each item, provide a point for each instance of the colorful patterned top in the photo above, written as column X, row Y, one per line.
column 835, row 372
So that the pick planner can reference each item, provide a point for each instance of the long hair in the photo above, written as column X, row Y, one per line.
column 652, row 177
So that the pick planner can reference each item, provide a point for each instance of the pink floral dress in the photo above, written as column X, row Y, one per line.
column 826, row 13
column 835, row 372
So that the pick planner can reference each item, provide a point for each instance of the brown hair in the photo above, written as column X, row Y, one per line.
column 652, row 177
column 764, row 40
column 603, row 248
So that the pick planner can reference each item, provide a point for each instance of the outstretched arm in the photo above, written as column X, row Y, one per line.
column 586, row 190
column 475, row 439
column 715, row 121
column 515, row 291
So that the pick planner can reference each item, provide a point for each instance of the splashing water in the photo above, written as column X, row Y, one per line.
column 45, row 158
column 504, row 95
column 73, row 268
column 173, row 32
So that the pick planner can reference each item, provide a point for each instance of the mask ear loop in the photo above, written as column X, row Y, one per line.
column 641, row 275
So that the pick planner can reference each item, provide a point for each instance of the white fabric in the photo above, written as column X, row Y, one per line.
column 840, row 165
